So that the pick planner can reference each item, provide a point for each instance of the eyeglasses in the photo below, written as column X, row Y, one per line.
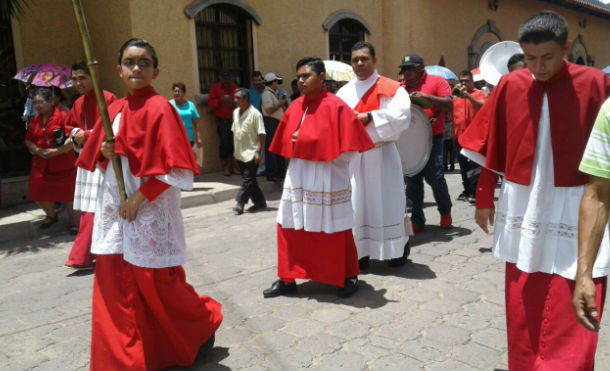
column 142, row 64
column 409, row 68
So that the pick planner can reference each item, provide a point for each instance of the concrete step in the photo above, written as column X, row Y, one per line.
column 22, row 221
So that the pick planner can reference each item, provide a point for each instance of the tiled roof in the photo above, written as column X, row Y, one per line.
column 594, row 7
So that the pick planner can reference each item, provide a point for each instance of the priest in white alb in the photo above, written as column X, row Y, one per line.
column 378, row 189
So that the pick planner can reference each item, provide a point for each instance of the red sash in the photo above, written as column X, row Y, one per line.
column 370, row 100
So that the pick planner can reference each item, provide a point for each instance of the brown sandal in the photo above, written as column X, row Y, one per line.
column 49, row 221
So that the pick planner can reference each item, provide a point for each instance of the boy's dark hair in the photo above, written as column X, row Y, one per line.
column 179, row 85
column 140, row 43
column 364, row 44
column 244, row 92
column 314, row 63
column 81, row 66
column 467, row 73
column 45, row 93
column 515, row 58
column 544, row 27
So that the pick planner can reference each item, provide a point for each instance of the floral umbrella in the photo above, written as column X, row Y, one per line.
column 339, row 71
column 47, row 74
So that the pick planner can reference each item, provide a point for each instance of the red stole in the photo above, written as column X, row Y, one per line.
column 370, row 100
column 330, row 128
column 506, row 129
column 85, row 111
column 151, row 136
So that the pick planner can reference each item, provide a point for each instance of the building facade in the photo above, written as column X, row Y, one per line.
column 196, row 38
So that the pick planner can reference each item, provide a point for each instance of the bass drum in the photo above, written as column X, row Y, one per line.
column 415, row 143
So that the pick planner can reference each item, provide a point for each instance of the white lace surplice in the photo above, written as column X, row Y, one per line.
column 317, row 196
column 378, row 187
column 155, row 239
column 536, row 226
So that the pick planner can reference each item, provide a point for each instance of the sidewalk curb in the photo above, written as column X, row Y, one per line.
column 25, row 218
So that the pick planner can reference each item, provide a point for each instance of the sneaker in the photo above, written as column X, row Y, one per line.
column 472, row 199
column 446, row 221
column 417, row 229
column 238, row 209
column 462, row 197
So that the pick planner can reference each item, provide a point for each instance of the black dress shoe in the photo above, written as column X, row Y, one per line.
column 254, row 208
column 278, row 288
column 349, row 289
column 206, row 347
column 363, row 263
column 238, row 209
column 399, row 262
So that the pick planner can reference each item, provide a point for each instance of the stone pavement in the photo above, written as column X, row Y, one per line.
column 442, row 311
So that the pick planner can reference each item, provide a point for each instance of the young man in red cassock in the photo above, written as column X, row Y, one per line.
column 83, row 117
column 145, row 316
column 319, row 133
column 533, row 130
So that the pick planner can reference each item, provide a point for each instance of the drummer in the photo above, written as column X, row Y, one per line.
column 378, row 189
column 434, row 95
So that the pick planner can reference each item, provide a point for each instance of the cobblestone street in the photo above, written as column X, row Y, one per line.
column 444, row 310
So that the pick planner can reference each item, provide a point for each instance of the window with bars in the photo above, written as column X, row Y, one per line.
column 224, row 41
column 342, row 36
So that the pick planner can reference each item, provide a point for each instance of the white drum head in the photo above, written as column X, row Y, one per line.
column 415, row 143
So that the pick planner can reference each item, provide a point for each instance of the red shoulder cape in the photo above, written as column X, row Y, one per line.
column 151, row 136
column 330, row 128
column 506, row 129
column 85, row 112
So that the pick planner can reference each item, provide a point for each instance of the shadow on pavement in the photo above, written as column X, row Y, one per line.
column 34, row 245
column 410, row 270
column 435, row 233
column 209, row 362
column 366, row 297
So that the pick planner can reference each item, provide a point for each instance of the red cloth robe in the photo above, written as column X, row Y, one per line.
column 84, row 114
column 146, row 318
column 329, row 129
column 505, row 130
column 151, row 136
column 51, row 180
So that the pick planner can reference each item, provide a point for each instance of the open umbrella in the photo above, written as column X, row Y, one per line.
column 441, row 71
column 339, row 71
column 47, row 74
column 606, row 70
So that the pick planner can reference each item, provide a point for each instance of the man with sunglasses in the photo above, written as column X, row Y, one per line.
column 433, row 94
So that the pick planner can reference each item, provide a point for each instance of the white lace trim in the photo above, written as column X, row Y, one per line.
column 316, row 198
column 531, row 228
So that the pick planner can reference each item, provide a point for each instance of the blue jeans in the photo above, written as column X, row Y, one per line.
column 466, row 169
column 434, row 174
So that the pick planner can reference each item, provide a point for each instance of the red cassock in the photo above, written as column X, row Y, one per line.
column 146, row 318
column 84, row 115
column 329, row 129
column 51, row 180
column 542, row 331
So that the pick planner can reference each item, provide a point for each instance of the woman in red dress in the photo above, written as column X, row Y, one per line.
column 53, row 171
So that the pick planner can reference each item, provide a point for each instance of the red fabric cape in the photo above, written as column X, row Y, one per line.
column 505, row 130
column 151, row 136
column 329, row 129
column 85, row 111
column 383, row 87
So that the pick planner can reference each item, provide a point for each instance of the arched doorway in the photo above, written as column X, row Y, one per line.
column 224, row 40
column 344, row 30
column 579, row 53
column 485, row 36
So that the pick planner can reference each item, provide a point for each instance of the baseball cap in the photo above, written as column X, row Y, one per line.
column 271, row 77
column 411, row 60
